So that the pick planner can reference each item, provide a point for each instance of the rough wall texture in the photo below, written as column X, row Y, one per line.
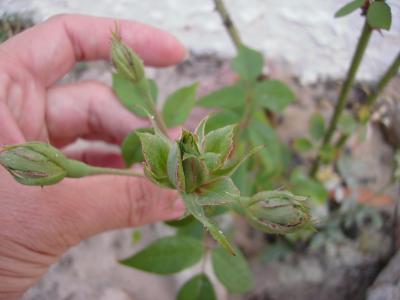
column 302, row 35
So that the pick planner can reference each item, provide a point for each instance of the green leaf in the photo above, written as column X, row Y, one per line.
column 273, row 95
column 232, row 271
column 317, row 126
column 132, row 148
column 306, row 186
column 242, row 179
column 225, row 98
column 194, row 229
column 232, row 165
column 221, row 119
column 262, row 134
column 248, row 63
column 160, row 180
column 175, row 168
column 198, row 287
column 153, row 89
column 212, row 160
column 379, row 15
column 349, row 8
column 218, row 192
column 347, row 124
column 302, row 145
column 201, row 129
column 179, row 104
column 167, row 255
column 195, row 171
column 198, row 212
column 215, row 210
column 220, row 141
column 155, row 152
column 133, row 96
column 180, row 223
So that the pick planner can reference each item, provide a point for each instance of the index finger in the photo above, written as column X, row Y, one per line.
column 50, row 49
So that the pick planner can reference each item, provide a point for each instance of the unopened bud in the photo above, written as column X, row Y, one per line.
column 278, row 212
column 189, row 144
column 31, row 167
column 194, row 167
column 36, row 163
column 125, row 60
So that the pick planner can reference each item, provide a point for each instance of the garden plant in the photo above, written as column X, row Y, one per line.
column 233, row 162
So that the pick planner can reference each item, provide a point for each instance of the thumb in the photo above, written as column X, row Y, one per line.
column 62, row 215
column 96, row 204
column 39, row 224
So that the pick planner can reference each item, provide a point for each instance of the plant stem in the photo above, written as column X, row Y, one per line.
column 342, row 140
column 373, row 97
column 228, row 23
column 237, row 41
column 382, row 83
column 78, row 169
column 154, row 111
column 160, row 122
column 357, row 58
column 111, row 171
column 247, row 115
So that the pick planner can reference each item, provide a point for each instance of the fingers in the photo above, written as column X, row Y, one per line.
column 95, row 204
column 9, row 131
column 72, row 38
column 95, row 156
column 89, row 110
column 39, row 224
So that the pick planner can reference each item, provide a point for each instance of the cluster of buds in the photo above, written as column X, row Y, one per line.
column 198, row 165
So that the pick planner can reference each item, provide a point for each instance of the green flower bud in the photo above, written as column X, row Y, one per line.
column 125, row 60
column 196, row 173
column 278, row 212
column 175, row 168
column 36, row 163
column 194, row 167
column 189, row 144
column 31, row 164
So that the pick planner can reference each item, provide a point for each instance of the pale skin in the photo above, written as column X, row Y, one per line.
column 37, row 225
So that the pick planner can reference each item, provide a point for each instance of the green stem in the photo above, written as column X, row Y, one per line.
column 371, row 99
column 247, row 115
column 160, row 122
column 235, row 37
column 78, row 169
column 342, row 140
column 357, row 58
column 228, row 23
column 154, row 111
column 112, row 171
column 382, row 83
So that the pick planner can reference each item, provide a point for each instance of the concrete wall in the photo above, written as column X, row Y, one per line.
column 300, row 34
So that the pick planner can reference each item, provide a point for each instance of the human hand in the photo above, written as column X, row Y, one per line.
column 38, row 224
